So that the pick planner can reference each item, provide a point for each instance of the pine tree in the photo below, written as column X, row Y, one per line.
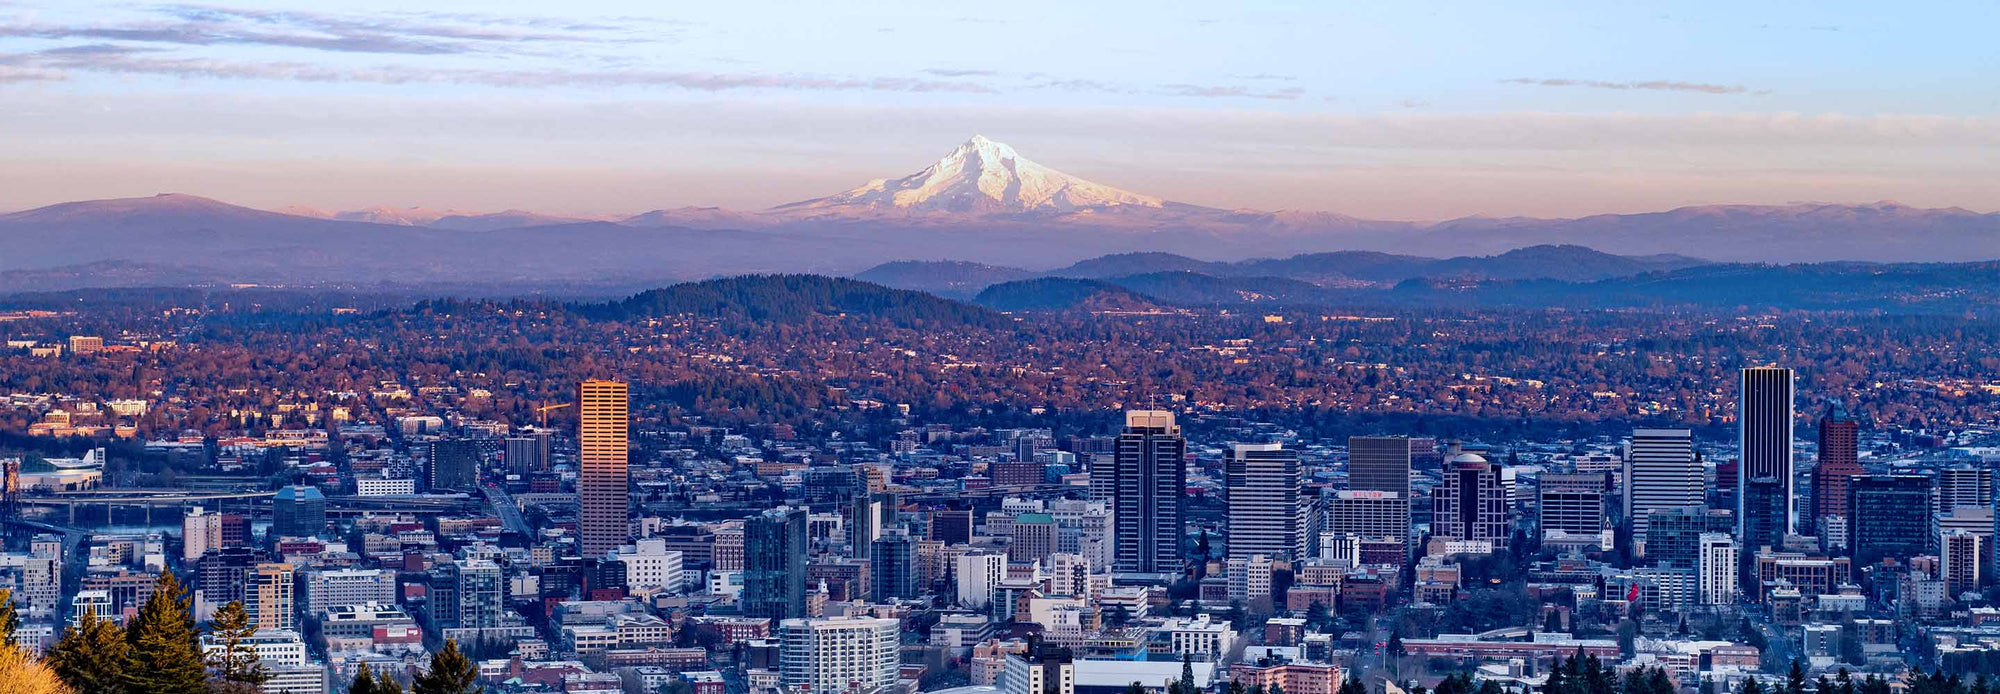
column 9, row 620
column 90, row 656
column 164, row 656
column 236, row 662
column 1186, row 683
column 450, row 673
column 1750, row 686
column 1135, row 688
column 1795, row 681
column 365, row 682
column 1707, row 686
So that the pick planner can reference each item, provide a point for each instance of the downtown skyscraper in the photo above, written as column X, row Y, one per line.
column 1764, row 409
column 1661, row 472
column 1839, row 462
column 1148, row 478
column 1264, row 510
column 774, row 564
column 603, row 430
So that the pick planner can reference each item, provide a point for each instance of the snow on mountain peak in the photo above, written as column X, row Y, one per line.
column 981, row 176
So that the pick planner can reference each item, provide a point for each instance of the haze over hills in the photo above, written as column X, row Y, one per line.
column 982, row 204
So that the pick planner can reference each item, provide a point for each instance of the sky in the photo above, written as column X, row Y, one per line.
column 1393, row 110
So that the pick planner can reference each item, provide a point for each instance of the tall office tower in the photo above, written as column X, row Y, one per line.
column 1719, row 559
column 1964, row 486
column 1572, row 504
column 952, row 526
column 1472, row 502
column 604, row 417
column 1265, row 516
column 454, row 465
column 1150, row 475
column 527, row 454
column 298, row 511
column 1379, row 464
column 849, row 655
column 867, row 518
column 1034, row 538
column 1661, row 472
column 1677, row 532
column 774, row 564
column 892, row 567
column 1374, row 515
column 1889, row 517
column 270, row 602
column 1839, row 459
column 199, row 532
column 978, row 573
column 1764, row 414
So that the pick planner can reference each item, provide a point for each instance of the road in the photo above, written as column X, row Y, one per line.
column 510, row 512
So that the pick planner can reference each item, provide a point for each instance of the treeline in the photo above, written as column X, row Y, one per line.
column 794, row 298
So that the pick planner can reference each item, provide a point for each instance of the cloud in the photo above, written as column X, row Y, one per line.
column 110, row 59
column 1223, row 92
column 1658, row 85
column 942, row 72
column 401, row 34
column 1268, row 76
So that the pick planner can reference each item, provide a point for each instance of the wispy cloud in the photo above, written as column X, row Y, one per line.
column 399, row 34
column 1225, row 92
column 121, row 60
column 1655, row 85
column 944, row 72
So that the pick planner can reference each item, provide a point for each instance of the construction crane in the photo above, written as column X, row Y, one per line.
column 543, row 412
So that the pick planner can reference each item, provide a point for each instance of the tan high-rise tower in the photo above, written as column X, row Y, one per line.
column 603, row 407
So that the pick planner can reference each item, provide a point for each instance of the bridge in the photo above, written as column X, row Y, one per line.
column 147, row 498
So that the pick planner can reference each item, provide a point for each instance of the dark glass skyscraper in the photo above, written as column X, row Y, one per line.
column 893, row 567
column 1148, row 477
column 1764, row 415
column 774, row 564
column 1889, row 516
column 298, row 511
column 454, row 465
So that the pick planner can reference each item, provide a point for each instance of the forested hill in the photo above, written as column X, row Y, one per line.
column 793, row 298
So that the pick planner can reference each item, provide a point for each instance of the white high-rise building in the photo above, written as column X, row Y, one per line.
column 1958, row 561
column 200, row 532
column 979, row 574
column 328, row 587
column 1661, row 472
column 650, row 566
column 1718, row 569
column 1069, row 574
column 838, row 655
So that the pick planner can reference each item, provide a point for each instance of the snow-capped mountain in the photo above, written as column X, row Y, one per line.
column 980, row 177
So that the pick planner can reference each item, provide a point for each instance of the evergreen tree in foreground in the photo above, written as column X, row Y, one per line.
column 164, row 656
column 236, row 662
column 365, row 682
column 90, row 656
column 9, row 619
column 450, row 673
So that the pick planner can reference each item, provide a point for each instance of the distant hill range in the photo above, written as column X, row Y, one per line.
column 1001, row 216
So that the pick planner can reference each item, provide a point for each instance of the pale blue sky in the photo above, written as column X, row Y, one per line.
column 1383, row 109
